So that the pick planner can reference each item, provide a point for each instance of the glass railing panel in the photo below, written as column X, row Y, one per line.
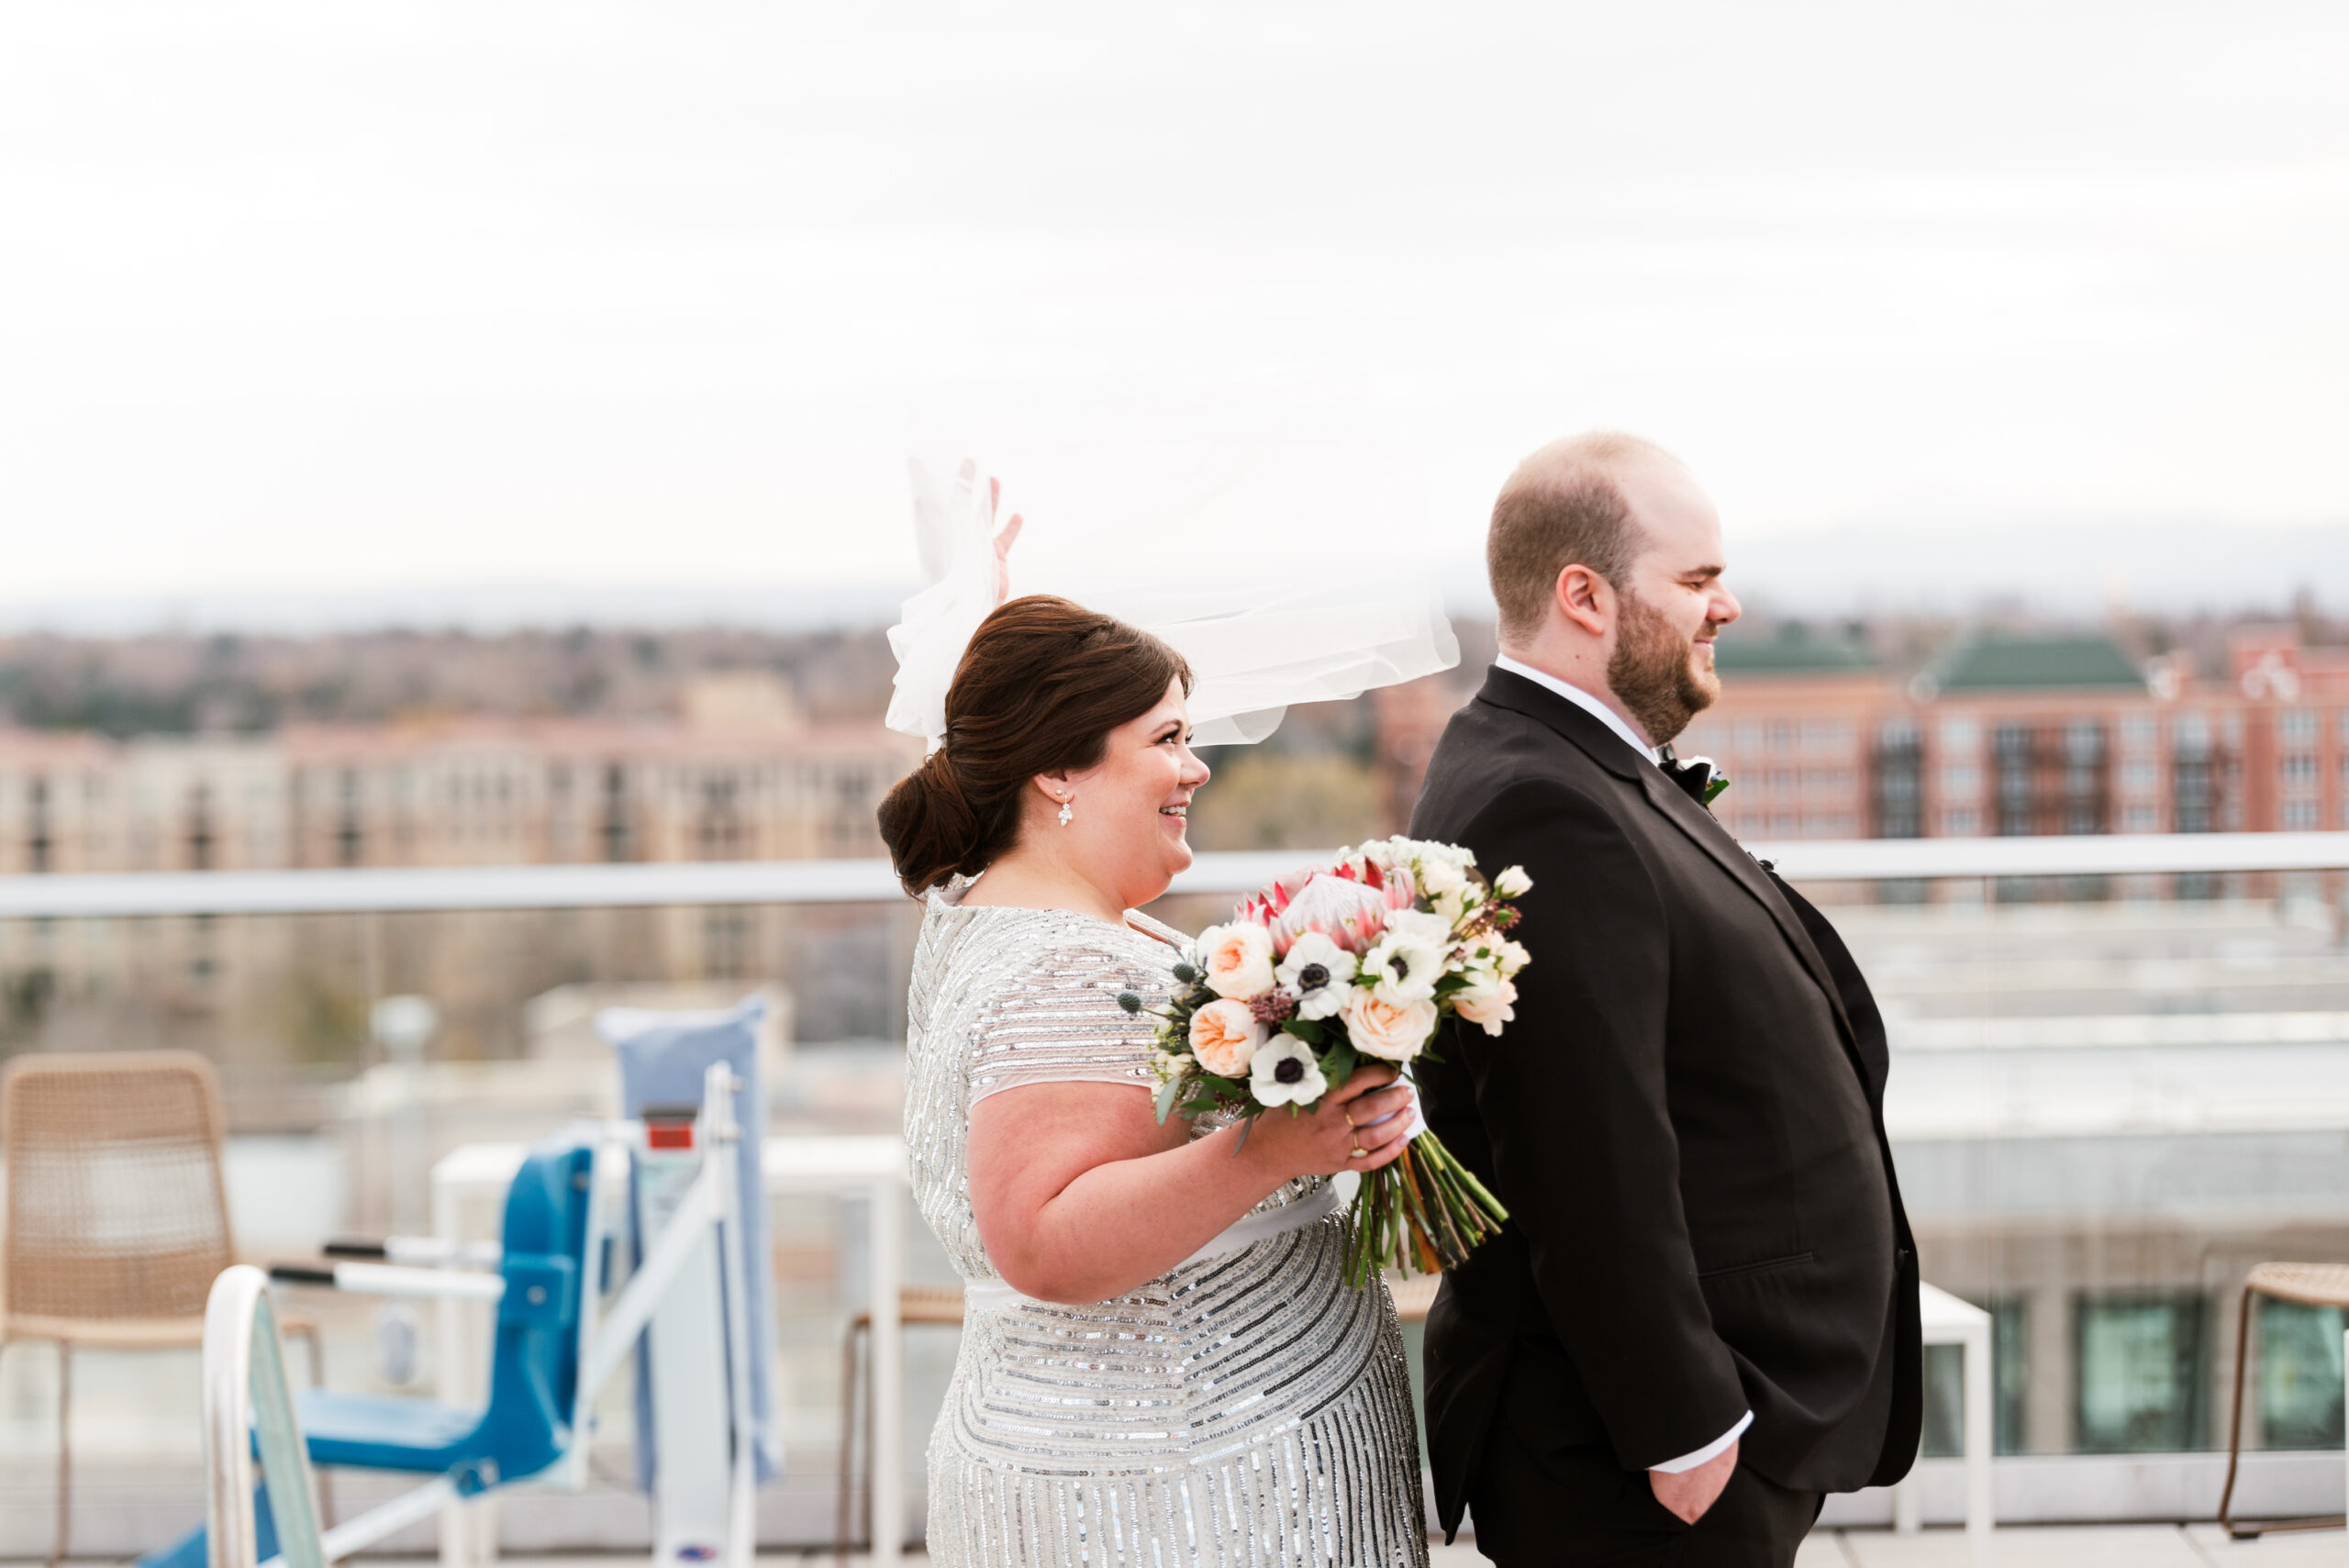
column 2113, row 1091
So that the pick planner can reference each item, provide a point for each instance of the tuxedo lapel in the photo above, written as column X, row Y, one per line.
column 1704, row 830
column 1603, row 746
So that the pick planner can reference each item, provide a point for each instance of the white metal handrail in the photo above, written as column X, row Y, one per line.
column 246, row 1401
column 392, row 891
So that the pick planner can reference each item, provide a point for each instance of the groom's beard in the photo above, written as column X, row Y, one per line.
column 1653, row 671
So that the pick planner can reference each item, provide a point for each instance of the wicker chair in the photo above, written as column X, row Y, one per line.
column 934, row 1305
column 118, row 1220
column 2310, row 1285
column 1414, row 1293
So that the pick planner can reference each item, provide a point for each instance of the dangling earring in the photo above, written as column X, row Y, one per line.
column 1068, row 810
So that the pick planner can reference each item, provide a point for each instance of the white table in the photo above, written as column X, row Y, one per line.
column 1949, row 1321
column 477, row 1175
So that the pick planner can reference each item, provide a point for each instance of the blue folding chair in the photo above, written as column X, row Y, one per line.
column 534, row 1369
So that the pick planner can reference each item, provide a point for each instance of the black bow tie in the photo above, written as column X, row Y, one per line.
column 1692, row 775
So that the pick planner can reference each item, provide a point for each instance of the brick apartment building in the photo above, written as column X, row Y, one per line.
column 738, row 776
column 2003, row 735
column 2010, row 736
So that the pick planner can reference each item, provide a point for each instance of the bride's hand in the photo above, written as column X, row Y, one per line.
column 1323, row 1141
column 1003, row 542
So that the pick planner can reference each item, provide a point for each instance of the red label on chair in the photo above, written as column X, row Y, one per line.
column 669, row 1135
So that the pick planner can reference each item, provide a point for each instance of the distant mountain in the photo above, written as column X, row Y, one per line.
column 2069, row 570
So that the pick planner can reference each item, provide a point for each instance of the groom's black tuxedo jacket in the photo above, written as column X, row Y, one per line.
column 1684, row 1121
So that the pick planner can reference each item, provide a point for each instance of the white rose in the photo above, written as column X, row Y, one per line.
column 1512, row 882
column 1224, row 1037
column 1237, row 959
column 1390, row 1031
column 1319, row 971
column 1284, row 1072
column 1438, row 877
column 1487, row 1002
column 1512, row 957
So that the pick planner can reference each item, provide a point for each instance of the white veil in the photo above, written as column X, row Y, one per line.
column 1254, row 646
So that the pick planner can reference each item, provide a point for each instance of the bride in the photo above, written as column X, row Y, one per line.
column 1160, row 1364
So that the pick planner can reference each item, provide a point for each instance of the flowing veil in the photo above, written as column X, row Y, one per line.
column 1255, row 645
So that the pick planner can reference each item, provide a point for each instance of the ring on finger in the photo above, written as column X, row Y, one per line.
column 1359, row 1153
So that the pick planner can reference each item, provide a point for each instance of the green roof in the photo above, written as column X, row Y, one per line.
column 2007, row 663
column 1790, row 650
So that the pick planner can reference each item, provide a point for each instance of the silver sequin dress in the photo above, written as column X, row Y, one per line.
column 1249, row 1408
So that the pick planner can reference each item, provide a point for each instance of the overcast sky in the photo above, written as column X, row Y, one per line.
column 342, row 299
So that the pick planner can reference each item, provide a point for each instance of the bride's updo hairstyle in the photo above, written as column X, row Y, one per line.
column 1040, row 686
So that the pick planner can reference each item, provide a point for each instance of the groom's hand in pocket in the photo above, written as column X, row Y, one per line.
column 1688, row 1494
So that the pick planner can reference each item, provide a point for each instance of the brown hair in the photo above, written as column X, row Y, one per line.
column 1039, row 689
column 1560, row 508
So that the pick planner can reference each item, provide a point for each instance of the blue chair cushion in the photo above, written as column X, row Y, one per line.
column 384, row 1431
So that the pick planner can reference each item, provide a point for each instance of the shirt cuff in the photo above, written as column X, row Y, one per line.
column 1710, row 1451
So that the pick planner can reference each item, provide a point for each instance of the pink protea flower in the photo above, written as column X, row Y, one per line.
column 1350, row 912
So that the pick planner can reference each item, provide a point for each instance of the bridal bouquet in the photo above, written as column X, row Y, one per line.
column 1360, row 959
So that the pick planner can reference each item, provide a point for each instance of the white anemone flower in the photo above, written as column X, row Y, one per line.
column 1285, row 1073
column 1410, row 956
column 1319, row 971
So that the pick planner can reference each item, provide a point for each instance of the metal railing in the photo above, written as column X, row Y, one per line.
column 871, row 881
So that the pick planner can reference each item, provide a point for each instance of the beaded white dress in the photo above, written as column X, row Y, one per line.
column 1246, row 1408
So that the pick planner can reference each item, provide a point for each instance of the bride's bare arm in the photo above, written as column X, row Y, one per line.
column 1080, row 1195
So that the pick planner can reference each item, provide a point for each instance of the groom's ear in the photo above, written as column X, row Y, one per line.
column 1586, row 599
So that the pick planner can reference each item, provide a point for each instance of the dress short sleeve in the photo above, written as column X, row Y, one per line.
column 1056, row 1019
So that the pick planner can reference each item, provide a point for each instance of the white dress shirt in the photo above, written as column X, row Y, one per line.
column 1630, row 736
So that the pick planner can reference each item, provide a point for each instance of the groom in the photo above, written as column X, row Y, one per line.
column 1702, row 1315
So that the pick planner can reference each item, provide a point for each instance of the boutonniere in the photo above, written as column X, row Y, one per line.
column 1699, row 778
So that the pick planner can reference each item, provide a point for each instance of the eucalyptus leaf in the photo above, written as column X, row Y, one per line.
column 1164, row 1098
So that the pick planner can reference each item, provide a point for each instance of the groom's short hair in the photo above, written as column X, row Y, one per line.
column 1560, row 508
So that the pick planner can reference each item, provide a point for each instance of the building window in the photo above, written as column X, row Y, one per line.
column 2141, row 819
column 2298, row 771
column 2139, row 731
column 1898, row 783
column 1960, row 778
column 1944, row 1433
column 2194, row 792
column 615, row 824
column 1962, row 734
column 2140, row 1369
column 2299, row 1375
column 1959, row 823
column 2296, row 727
column 2141, row 778
column 2011, row 746
column 2301, row 816
column 2011, row 1365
